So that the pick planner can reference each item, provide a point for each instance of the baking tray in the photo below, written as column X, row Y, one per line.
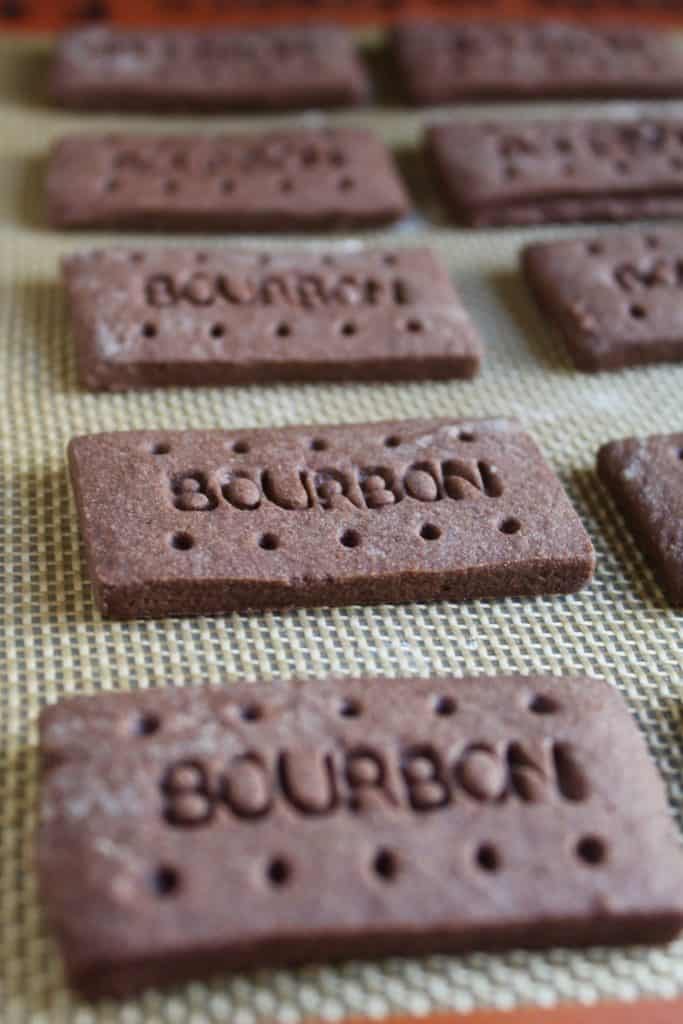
column 53, row 642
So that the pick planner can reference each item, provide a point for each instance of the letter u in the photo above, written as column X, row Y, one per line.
column 308, row 781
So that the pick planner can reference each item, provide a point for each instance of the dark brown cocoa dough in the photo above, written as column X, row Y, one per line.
column 500, row 173
column 164, row 317
column 443, row 62
column 108, row 68
column 616, row 297
column 297, row 179
column 187, row 831
column 645, row 478
column 205, row 522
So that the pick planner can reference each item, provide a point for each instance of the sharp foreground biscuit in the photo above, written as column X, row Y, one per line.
column 646, row 481
column 193, row 522
column 298, row 179
column 163, row 317
column 537, row 172
column 193, row 830
column 439, row 62
column 278, row 68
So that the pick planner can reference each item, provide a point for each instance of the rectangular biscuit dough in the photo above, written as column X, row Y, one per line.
column 204, row 522
column 296, row 179
column 645, row 478
column 108, row 68
column 186, row 831
column 616, row 297
column 499, row 173
column 164, row 317
column 442, row 62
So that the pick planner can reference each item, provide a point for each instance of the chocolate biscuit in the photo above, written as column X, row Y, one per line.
column 107, row 68
column 645, row 478
column 616, row 298
column 297, row 179
column 537, row 172
column 441, row 62
column 186, row 831
column 204, row 522
column 163, row 317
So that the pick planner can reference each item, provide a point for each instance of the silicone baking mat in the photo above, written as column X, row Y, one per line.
column 53, row 641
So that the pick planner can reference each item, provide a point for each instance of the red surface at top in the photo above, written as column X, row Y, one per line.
column 646, row 1012
column 54, row 14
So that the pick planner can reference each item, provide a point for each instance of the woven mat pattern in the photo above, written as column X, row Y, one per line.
column 53, row 642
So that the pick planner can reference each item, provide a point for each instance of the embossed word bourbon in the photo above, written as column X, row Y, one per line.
column 195, row 522
column 225, row 316
column 302, row 289
column 341, row 487
column 255, row 824
column 416, row 777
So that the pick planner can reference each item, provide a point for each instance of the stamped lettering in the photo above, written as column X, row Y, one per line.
column 245, row 790
column 366, row 777
column 363, row 487
column 304, row 290
column 420, row 778
column 644, row 137
column 665, row 273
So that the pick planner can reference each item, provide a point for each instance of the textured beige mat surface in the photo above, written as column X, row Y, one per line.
column 53, row 642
